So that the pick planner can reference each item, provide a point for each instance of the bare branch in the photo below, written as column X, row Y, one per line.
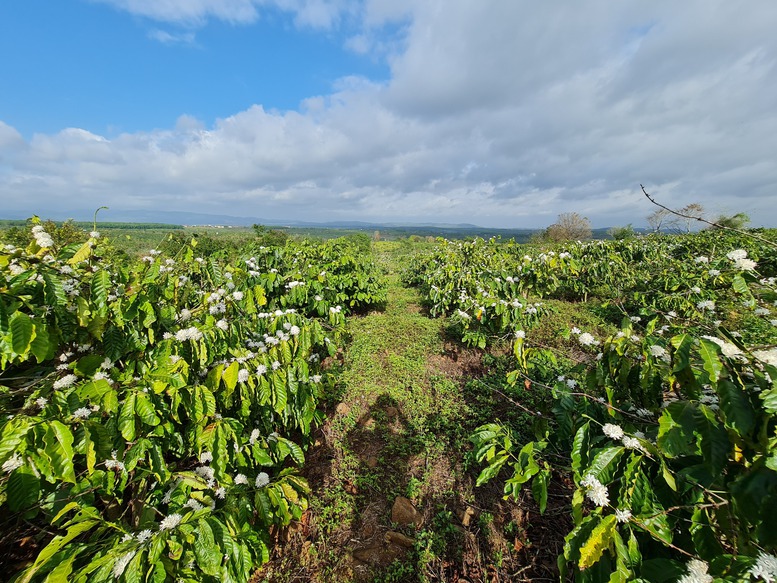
column 705, row 221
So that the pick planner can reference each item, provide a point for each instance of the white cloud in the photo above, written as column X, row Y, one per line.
column 195, row 13
column 172, row 38
column 190, row 12
column 501, row 116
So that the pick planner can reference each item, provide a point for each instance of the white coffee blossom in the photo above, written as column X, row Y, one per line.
column 632, row 443
column 765, row 568
column 587, row 339
column 170, row 522
column 188, row 334
column 12, row 463
column 113, row 463
column 206, row 457
column 193, row 504
column 41, row 402
column 82, row 413
column 520, row 334
column 736, row 254
column 240, row 479
column 612, row 431
column 658, row 351
column 745, row 264
column 622, row 515
column 121, row 563
column 261, row 369
column 595, row 491
column 65, row 381
column 242, row 375
column 706, row 305
column 262, row 480
column 697, row 573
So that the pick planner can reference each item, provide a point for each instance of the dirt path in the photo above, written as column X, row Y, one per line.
column 391, row 500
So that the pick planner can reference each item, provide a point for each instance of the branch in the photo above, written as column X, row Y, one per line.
column 703, row 220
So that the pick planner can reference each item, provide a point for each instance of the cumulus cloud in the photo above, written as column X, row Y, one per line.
column 500, row 116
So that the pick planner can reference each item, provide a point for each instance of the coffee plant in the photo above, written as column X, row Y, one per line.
column 667, row 428
column 156, row 410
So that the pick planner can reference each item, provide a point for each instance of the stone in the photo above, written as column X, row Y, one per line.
column 400, row 539
column 391, row 412
column 404, row 513
column 342, row 409
column 467, row 515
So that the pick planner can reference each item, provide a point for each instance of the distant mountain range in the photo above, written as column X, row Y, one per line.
column 199, row 219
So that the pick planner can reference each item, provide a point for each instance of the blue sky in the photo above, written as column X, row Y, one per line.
column 92, row 66
column 500, row 113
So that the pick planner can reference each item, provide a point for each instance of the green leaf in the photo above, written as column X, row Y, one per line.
column 56, row 544
column 113, row 343
column 101, row 282
column 740, row 285
column 144, row 408
column 42, row 346
column 59, row 450
column 581, row 446
column 82, row 254
column 296, row 451
column 21, row 332
column 735, row 404
column 23, row 489
column 683, row 343
column 709, row 352
column 13, row 434
column 61, row 573
column 230, row 374
column 134, row 571
column 713, row 440
column 207, row 553
column 492, row 469
column 127, row 418
column 705, row 538
column 88, row 365
column 539, row 488
column 605, row 464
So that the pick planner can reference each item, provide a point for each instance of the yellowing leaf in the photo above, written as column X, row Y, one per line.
column 597, row 543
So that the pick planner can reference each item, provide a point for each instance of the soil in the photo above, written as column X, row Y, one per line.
column 486, row 538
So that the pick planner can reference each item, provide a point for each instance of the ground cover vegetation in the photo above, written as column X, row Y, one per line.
column 344, row 411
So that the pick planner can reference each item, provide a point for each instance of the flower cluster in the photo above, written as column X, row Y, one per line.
column 596, row 492
column 42, row 238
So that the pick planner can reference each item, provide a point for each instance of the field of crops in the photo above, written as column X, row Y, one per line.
column 661, row 407
column 157, row 410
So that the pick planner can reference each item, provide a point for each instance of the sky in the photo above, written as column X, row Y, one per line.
column 499, row 113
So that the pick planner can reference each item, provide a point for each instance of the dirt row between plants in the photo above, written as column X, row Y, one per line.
column 392, row 494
